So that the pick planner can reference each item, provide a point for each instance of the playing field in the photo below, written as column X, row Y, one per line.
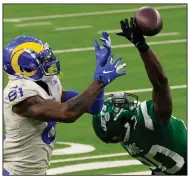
column 71, row 30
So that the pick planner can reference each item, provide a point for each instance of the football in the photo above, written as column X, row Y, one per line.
column 148, row 20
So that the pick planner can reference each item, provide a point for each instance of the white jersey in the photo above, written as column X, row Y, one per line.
column 29, row 143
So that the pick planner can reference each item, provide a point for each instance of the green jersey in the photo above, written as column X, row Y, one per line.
column 161, row 146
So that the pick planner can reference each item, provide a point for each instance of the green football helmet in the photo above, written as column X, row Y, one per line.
column 112, row 124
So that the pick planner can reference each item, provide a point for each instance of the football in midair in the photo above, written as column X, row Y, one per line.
column 148, row 20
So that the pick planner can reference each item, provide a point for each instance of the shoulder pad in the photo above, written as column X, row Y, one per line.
column 18, row 90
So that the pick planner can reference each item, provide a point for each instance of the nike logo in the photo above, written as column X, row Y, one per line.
column 106, row 72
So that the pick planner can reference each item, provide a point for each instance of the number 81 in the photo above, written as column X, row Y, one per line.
column 13, row 94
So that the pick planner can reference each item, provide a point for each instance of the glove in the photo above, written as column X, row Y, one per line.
column 103, row 53
column 133, row 34
column 110, row 71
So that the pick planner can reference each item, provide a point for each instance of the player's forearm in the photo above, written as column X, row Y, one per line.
column 76, row 106
column 96, row 105
column 161, row 90
column 154, row 69
column 51, row 110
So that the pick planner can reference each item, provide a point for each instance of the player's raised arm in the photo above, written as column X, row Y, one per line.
column 71, row 110
column 102, row 53
column 161, row 91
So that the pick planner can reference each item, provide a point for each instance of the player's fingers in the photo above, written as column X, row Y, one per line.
column 117, row 61
column 107, row 43
column 103, row 39
column 105, row 35
column 121, row 66
column 107, row 47
column 133, row 22
column 110, row 59
column 122, row 25
column 96, row 45
column 126, row 23
column 121, row 73
column 132, row 25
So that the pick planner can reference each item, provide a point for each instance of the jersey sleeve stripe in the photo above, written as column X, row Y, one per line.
column 147, row 119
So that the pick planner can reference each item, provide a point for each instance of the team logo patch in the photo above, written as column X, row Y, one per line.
column 54, row 81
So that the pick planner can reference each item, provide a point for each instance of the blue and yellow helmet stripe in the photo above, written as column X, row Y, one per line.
column 19, row 50
column 30, row 57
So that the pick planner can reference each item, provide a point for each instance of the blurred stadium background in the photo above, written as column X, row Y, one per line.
column 70, row 30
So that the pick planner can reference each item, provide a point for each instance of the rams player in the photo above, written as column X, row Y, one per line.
column 34, row 101
column 147, row 130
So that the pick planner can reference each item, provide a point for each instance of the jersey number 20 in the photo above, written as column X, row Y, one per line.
column 149, row 157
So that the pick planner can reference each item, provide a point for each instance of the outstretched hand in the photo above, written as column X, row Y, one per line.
column 110, row 71
column 106, row 70
column 133, row 34
column 102, row 53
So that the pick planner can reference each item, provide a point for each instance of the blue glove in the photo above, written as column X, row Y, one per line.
column 110, row 71
column 103, row 53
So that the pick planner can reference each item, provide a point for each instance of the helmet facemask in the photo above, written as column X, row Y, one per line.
column 48, row 63
column 124, row 100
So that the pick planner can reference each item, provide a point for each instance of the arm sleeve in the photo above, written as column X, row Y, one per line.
column 95, row 107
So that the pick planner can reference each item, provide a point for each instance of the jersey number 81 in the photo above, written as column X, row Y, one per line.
column 15, row 93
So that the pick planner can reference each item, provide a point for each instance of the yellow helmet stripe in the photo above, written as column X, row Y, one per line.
column 19, row 50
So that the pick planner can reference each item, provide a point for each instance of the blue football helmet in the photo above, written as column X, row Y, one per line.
column 29, row 57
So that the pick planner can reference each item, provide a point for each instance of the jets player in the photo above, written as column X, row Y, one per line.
column 34, row 101
column 147, row 130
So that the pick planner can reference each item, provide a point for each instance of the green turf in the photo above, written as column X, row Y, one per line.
column 116, row 170
column 78, row 67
